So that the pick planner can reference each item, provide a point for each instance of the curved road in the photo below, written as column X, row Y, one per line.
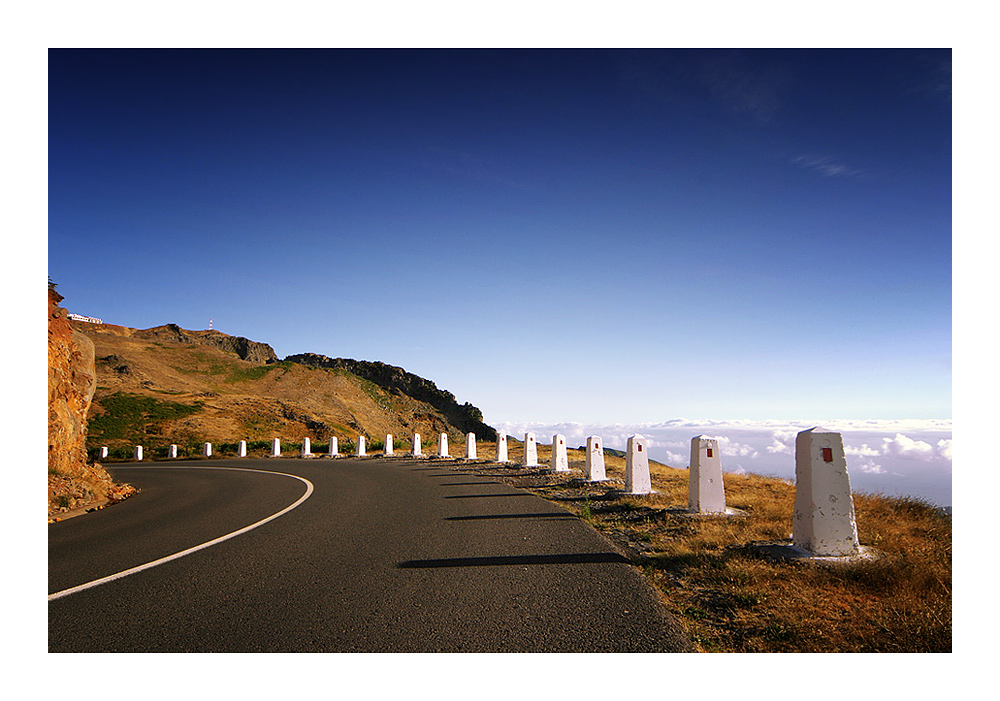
column 385, row 555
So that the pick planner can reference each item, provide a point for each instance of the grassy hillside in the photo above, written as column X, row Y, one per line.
column 166, row 385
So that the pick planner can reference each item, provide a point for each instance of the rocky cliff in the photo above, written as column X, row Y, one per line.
column 244, row 348
column 73, row 482
column 251, row 351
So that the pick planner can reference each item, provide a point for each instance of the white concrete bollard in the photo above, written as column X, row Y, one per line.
column 388, row 444
column 443, row 446
column 360, row 451
column 823, row 523
column 306, row 448
column 207, row 450
column 559, row 461
column 172, row 451
column 530, row 450
column 637, row 479
column 104, row 451
column 470, row 446
column 706, row 493
column 138, row 453
column 241, row 449
column 334, row 448
column 276, row 448
column 416, row 445
column 595, row 460
column 502, row 447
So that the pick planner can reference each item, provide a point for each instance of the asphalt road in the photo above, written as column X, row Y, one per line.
column 396, row 555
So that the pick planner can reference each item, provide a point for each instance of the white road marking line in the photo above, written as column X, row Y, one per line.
column 182, row 553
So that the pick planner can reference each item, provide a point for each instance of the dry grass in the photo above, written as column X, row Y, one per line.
column 731, row 596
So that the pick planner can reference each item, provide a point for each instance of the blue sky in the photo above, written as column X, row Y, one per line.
column 555, row 236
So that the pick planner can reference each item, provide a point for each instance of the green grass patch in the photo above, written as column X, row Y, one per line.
column 133, row 417
column 230, row 371
column 256, row 372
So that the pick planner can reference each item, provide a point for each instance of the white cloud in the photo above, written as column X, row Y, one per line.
column 863, row 451
column 944, row 448
column 677, row 459
column 825, row 166
column 868, row 466
column 782, row 442
column 905, row 447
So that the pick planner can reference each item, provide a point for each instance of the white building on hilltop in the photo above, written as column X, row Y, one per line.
column 80, row 317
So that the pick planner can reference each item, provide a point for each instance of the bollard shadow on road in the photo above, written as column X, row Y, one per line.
column 565, row 515
column 517, row 560
column 464, row 484
column 488, row 496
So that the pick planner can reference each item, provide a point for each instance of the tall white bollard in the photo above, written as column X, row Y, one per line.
column 502, row 447
column 334, row 448
column 416, row 445
column 443, row 446
column 138, row 453
column 306, row 448
column 637, row 479
column 706, row 493
column 530, row 450
column 104, row 451
column 388, row 444
column 207, row 450
column 595, row 460
column 360, row 451
column 823, row 522
column 559, row 462
column 172, row 451
column 276, row 448
column 241, row 449
column 470, row 446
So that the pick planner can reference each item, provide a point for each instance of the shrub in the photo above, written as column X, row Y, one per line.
column 133, row 417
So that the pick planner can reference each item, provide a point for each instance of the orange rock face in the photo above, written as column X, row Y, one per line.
column 73, row 482
column 71, row 387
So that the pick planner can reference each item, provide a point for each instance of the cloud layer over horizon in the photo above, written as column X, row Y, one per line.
column 893, row 457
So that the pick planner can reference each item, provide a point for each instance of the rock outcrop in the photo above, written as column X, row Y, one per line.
column 252, row 351
column 73, row 482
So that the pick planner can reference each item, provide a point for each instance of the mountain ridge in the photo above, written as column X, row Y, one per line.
column 167, row 384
